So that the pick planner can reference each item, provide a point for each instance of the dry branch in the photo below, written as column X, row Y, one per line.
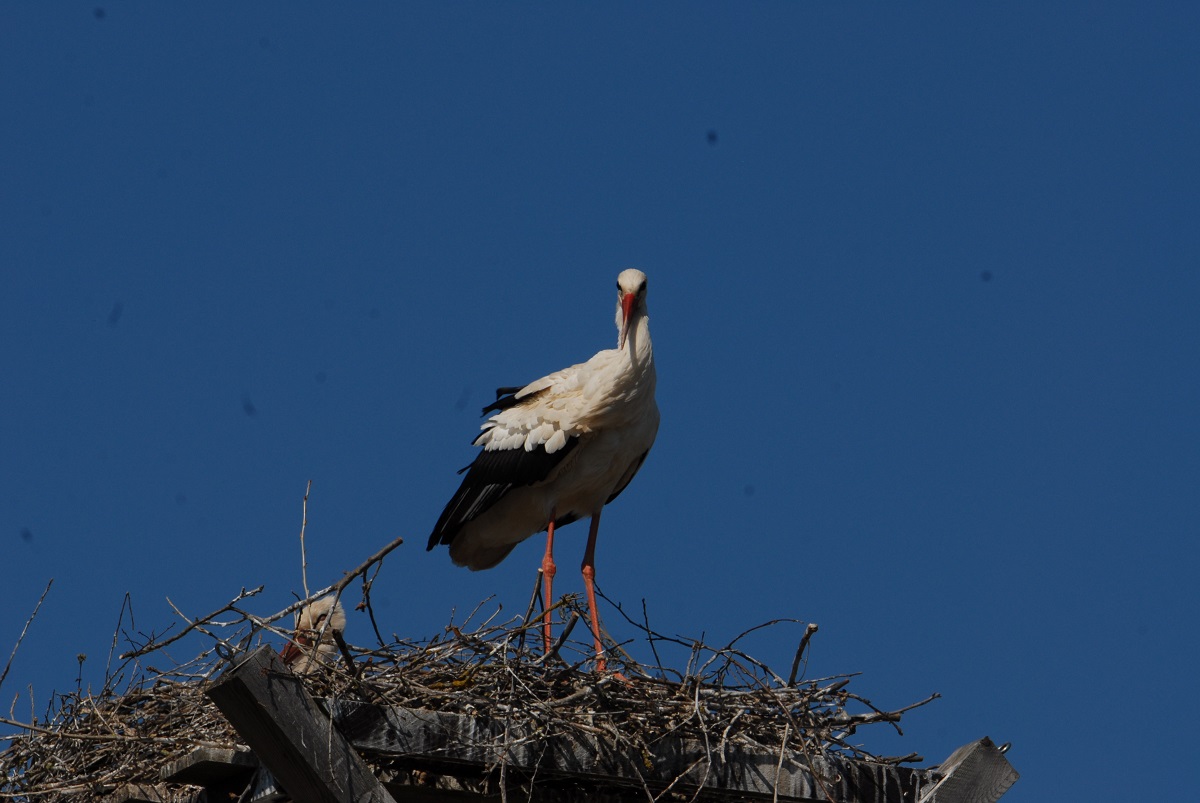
column 24, row 629
column 335, row 589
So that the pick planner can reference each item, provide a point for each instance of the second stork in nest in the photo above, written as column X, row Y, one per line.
column 312, row 642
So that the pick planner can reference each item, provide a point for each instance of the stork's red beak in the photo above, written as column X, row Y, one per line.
column 626, row 310
column 290, row 651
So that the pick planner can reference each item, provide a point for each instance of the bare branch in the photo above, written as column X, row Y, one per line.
column 808, row 633
column 154, row 644
column 21, row 637
column 303, row 526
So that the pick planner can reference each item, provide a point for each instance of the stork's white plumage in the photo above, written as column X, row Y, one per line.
column 315, row 623
column 557, row 450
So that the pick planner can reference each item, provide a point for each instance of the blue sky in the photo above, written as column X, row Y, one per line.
column 923, row 292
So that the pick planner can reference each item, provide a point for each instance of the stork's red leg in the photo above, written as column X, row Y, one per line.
column 548, row 570
column 589, row 583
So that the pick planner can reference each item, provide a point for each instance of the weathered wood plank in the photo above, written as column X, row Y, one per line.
column 265, row 789
column 206, row 766
column 151, row 793
column 291, row 734
column 224, row 774
column 975, row 773
column 450, row 742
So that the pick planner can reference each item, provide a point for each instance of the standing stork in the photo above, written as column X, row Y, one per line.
column 557, row 450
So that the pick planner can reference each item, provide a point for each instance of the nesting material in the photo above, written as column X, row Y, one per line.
column 93, row 742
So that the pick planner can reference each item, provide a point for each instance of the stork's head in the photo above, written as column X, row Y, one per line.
column 317, row 620
column 631, row 300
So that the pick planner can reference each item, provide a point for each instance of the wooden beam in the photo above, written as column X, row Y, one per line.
column 152, row 793
column 223, row 773
column 455, row 743
column 265, row 789
column 207, row 766
column 291, row 734
column 975, row 773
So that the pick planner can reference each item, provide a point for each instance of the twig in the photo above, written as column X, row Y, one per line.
column 880, row 715
column 787, row 730
column 366, row 603
column 125, row 601
column 533, row 598
column 153, row 645
column 808, row 633
column 98, row 737
column 650, row 638
column 340, row 585
column 560, row 641
column 21, row 637
column 335, row 588
column 303, row 526
column 346, row 656
column 220, row 643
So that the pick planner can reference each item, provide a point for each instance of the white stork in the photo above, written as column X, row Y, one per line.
column 557, row 450
column 315, row 621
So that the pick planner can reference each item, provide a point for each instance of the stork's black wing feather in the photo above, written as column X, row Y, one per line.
column 507, row 397
column 628, row 478
column 489, row 478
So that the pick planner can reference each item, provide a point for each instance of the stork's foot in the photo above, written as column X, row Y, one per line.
column 602, row 669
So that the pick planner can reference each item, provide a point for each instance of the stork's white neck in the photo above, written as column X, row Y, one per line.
column 638, row 346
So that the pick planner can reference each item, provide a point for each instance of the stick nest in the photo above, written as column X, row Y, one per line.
column 90, row 743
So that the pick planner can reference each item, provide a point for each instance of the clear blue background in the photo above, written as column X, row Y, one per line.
column 925, row 316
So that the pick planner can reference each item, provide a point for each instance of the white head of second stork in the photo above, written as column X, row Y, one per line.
column 313, row 640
